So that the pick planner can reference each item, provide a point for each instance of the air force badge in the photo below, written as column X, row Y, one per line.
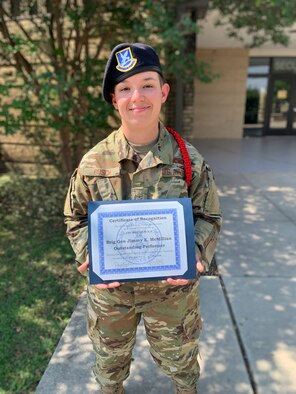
column 125, row 60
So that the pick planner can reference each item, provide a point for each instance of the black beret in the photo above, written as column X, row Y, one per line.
column 127, row 60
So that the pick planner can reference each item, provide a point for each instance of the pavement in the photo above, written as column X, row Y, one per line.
column 248, row 344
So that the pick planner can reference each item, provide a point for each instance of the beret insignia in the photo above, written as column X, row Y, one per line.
column 125, row 60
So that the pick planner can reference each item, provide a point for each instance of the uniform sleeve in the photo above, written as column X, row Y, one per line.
column 76, row 216
column 207, row 214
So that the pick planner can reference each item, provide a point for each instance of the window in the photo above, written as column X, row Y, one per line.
column 257, row 84
column 255, row 103
column 259, row 65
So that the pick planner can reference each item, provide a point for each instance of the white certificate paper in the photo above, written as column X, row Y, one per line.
column 138, row 240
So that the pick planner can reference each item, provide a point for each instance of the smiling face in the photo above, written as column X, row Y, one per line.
column 139, row 99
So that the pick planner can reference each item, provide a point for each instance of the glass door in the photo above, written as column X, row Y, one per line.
column 294, row 115
column 281, row 114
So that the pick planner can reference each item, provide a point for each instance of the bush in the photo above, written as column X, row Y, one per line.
column 37, row 201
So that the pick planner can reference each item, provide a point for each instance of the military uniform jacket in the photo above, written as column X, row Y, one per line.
column 112, row 170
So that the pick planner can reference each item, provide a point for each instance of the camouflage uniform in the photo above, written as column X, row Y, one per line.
column 112, row 170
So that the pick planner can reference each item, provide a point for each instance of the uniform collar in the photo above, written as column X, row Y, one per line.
column 162, row 151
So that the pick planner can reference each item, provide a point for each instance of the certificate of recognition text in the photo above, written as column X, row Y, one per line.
column 138, row 240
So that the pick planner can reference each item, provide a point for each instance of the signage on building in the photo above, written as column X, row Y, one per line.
column 282, row 94
column 284, row 65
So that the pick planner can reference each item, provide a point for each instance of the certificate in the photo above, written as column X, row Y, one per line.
column 141, row 240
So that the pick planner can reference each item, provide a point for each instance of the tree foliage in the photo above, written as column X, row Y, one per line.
column 59, row 52
column 59, row 56
column 262, row 20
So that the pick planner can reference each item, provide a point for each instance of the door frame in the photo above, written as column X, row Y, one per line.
column 289, row 130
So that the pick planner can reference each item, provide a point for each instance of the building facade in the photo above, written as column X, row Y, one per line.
column 255, row 92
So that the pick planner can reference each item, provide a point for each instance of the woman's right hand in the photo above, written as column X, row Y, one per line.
column 84, row 266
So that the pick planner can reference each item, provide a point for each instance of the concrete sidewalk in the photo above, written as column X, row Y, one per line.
column 248, row 344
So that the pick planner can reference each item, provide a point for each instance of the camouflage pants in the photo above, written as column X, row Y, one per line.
column 172, row 322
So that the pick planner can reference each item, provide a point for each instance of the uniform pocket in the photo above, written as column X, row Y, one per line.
column 99, row 182
column 212, row 204
column 192, row 331
column 172, row 183
column 69, row 204
column 92, row 323
column 105, row 189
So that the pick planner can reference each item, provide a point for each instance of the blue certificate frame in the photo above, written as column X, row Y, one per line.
column 135, row 240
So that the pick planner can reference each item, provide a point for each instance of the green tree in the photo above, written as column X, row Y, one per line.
column 59, row 53
column 262, row 20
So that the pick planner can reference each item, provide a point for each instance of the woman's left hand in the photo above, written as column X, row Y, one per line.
column 181, row 282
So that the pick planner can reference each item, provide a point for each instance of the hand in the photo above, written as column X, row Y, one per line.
column 200, row 268
column 103, row 286
column 180, row 282
column 84, row 266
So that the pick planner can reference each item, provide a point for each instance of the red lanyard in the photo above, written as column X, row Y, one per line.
column 184, row 153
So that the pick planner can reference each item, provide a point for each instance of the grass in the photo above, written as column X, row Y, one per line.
column 39, row 284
